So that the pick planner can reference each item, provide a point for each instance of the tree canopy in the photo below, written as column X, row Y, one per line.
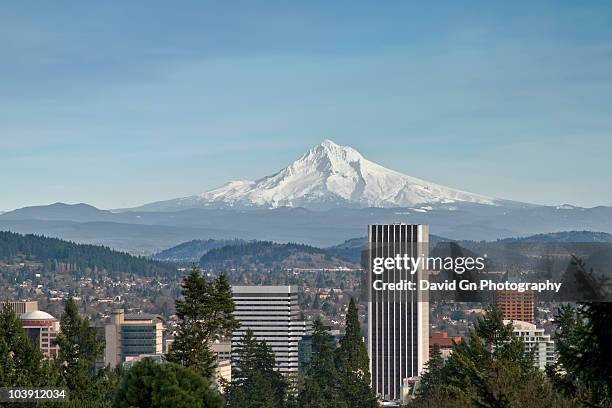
column 167, row 385
column 490, row 369
column 338, row 377
column 205, row 314
column 255, row 381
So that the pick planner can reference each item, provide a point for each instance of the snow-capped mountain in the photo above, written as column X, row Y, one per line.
column 327, row 176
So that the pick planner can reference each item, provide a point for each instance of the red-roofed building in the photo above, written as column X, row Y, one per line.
column 442, row 340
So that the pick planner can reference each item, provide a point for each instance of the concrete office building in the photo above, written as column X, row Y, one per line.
column 273, row 314
column 42, row 330
column 223, row 371
column 535, row 339
column 398, row 321
column 20, row 306
column 129, row 336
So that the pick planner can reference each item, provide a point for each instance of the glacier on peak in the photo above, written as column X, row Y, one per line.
column 327, row 176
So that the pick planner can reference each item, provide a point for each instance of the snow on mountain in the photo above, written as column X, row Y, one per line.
column 327, row 176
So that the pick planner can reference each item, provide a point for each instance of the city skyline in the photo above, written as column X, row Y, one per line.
column 117, row 106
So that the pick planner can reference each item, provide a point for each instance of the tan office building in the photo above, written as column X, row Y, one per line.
column 129, row 336
column 21, row 306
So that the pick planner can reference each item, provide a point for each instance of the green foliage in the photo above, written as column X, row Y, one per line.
column 21, row 363
column 206, row 315
column 255, row 381
column 583, row 341
column 258, row 253
column 433, row 380
column 79, row 348
column 321, row 387
column 353, row 365
column 340, row 377
column 167, row 385
column 50, row 251
column 491, row 369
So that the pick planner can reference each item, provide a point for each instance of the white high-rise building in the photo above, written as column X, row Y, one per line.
column 398, row 321
column 273, row 314
column 535, row 339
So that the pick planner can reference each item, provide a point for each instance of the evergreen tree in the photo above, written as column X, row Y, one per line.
column 322, row 383
column 79, row 348
column 433, row 378
column 583, row 339
column 353, row 364
column 255, row 381
column 21, row 363
column 491, row 369
column 206, row 316
column 167, row 385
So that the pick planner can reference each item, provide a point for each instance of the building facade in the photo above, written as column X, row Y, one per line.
column 273, row 314
column 516, row 305
column 20, row 306
column 444, row 342
column 398, row 321
column 535, row 340
column 129, row 336
column 42, row 330
column 223, row 370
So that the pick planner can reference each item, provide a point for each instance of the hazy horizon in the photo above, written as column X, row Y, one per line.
column 119, row 104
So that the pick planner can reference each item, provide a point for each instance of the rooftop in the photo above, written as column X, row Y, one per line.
column 37, row 315
column 264, row 289
column 140, row 316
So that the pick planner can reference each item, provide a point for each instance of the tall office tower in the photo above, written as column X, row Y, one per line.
column 273, row 314
column 398, row 320
column 20, row 306
column 516, row 305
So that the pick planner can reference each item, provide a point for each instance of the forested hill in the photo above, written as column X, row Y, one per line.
column 53, row 252
column 265, row 254
column 564, row 236
column 191, row 251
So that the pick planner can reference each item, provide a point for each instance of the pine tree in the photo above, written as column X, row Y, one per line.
column 255, row 381
column 491, row 369
column 433, row 378
column 166, row 385
column 582, row 339
column 21, row 363
column 492, row 329
column 322, row 383
column 432, row 390
column 206, row 316
column 79, row 348
column 353, row 364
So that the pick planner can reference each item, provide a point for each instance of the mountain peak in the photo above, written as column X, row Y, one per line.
column 328, row 143
column 327, row 176
column 57, row 211
column 330, row 146
column 328, row 154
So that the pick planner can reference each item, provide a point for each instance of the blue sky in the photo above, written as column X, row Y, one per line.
column 121, row 103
